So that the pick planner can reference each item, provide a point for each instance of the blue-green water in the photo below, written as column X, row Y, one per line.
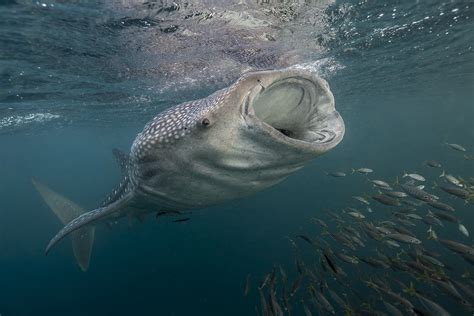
column 72, row 87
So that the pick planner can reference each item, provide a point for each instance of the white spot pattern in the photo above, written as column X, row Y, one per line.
column 175, row 123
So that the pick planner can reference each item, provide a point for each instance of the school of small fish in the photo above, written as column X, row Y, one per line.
column 395, row 242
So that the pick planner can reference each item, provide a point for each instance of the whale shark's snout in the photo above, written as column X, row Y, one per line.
column 235, row 142
column 297, row 104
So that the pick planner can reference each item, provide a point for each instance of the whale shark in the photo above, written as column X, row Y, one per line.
column 233, row 143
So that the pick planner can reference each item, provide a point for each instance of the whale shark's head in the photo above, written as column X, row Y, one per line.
column 237, row 141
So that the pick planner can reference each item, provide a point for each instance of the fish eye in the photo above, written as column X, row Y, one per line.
column 205, row 122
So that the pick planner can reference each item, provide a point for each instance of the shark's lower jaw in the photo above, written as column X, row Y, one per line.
column 297, row 109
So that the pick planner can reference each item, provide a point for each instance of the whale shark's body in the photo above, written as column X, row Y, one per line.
column 235, row 142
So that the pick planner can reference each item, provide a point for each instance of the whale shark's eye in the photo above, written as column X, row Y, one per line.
column 205, row 122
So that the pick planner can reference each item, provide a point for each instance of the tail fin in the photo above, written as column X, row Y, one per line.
column 66, row 211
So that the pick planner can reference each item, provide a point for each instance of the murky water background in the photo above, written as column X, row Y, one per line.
column 78, row 79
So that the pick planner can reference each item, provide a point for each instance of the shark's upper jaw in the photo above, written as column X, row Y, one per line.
column 295, row 108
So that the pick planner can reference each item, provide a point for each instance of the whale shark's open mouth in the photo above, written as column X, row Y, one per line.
column 300, row 108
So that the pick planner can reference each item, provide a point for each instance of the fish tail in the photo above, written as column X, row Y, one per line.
column 442, row 174
column 469, row 199
column 353, row 171
column 66, row 211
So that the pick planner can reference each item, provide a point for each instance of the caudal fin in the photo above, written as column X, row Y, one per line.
column 66, row 211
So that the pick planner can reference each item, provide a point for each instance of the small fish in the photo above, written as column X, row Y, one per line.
column 416, row 193
column 456, row 147
column 375, row 263
column 264, row 282
column 431, row 260
column 469, row 157
column 384, row 230
column 401, row 230
column 405, row 222
column 168, row 213
column 330, row 261
column 414, row 176
column 274, row 306
column 396, row 194
column 295, row 286
column 320, row 222
column 432, row 220
column 299, row 266
column 336, row 298
column 404, row 238
column 432, row 307
column 392, row 309
column 448, row 288
column 433, row 164
column 336, row 174
column 441, row 206
column 263, row 302
column 381, row 184
column 398, row 298
column 446, row 217
column 406, row 210
column 457, row 247
column 306, row 310
column 359, row 242
column 356, row 215
column 391, row 243
column 371, row 231
column 414, row 216
column 412, row 203
column 363, row 170
column 306, row 238
column 432, row 234
column 466, row 289
column 381, row 198
column 351, row 231
column 323, row 301
column 284, row 277
column 286, row 303
column 181, row 220
column 346, row 258
column 247, row 285
column 457, row 191
column 361, row 199
column 451, row 179
column 463, row 230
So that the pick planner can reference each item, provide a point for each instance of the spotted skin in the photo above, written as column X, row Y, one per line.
column 208, row 151
column 173, row 124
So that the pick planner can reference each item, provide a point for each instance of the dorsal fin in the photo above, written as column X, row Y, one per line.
column 123, row 160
